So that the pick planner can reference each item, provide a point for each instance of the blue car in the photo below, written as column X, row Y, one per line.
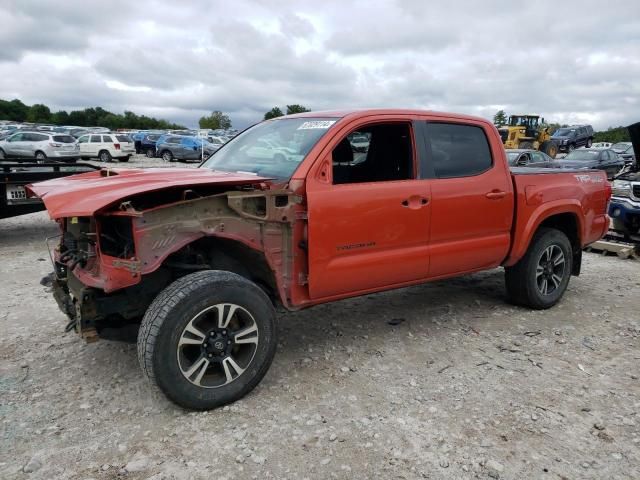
column 624, row 208
column 182, row 148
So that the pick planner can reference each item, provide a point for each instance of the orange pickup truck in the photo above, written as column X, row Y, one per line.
column 298, row 211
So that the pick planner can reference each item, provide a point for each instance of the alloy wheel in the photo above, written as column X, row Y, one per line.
column 550, row 270
column 217, row 345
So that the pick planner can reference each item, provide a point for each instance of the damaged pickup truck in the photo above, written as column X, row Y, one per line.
column 289, row 213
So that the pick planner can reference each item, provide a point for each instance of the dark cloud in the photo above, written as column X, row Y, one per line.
column 571, row 61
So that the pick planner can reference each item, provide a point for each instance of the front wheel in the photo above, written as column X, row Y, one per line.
column 541, row 277
column 150, row 153
column 167, row 156
column 208, row 339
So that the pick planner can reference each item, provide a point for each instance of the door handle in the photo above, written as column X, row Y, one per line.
column 496, row 195
column 415, row 202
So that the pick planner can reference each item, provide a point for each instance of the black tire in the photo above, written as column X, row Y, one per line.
column 523, row 280
column 124, row 159
column 550, row 148
column 150, row 153
column 104, row 156
column 571, row 147
column 174, row 314
column 40, row 156
column 589, row 143
column 167, row 156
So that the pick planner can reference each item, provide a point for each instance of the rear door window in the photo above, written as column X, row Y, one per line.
column 457, row 150
column 83, row 139
column 63, row 139
column 107, row 139
column 95, row 139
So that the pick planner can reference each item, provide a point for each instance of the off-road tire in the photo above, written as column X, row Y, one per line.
column 550, row 148
column 174, row 308
column 521, row 279
column 104, row 156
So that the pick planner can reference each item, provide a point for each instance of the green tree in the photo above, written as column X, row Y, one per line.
column 500, row 118
column 295, row 108
column 275, row 112
column 60, row 118
column 216, row 120
column 39, row 113
column 613, row 135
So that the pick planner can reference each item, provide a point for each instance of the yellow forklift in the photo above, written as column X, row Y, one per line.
column 526, row 132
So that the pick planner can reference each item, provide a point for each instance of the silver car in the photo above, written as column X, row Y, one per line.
column 39, row 145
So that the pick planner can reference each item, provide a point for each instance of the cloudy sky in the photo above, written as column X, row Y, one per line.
column 571, row 61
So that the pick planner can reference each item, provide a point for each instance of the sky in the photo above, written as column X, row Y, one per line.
column 570, row 61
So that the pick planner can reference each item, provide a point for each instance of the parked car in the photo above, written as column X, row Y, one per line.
column 199, row 256
column 625, row 151
column 106, row 147
column 39, row 145
column 147, row 144
column 177, row 147
column 624, row 208
column 529, row 158
column 592, row 159
column 570, row 138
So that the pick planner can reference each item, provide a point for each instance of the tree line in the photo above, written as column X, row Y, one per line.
column 16, row 111
column 612, row 134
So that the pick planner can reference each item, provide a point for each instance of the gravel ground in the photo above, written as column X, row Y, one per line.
column 443, row 380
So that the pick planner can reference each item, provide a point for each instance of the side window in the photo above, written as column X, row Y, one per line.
column 95, row 139
column 458, row 150
column 536, row 157
column 17, row 138
column 173, row 140
column 107, row 139
column 83, row 139
column 385, row 153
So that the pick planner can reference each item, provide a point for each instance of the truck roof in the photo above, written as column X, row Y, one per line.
column 365, row 112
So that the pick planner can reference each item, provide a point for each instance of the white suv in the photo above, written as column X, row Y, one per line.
column 106, row 147
column 39, row 145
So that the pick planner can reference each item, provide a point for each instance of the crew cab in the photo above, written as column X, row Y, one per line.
column 196, row 259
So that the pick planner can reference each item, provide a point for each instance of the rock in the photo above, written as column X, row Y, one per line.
column 258, row 459
column 598, row 426
column 85, row 406
column 240, row 458
column 332, row 437
column 494, row 468
column 344, row 369
column 33, row 465
column 325, row 461
column 617, row 455
column 444, row 463
column 137, row 464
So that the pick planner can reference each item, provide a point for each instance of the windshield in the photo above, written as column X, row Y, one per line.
column 271, row 149
column 620, row 146
column 562, row 132
column 582, row 155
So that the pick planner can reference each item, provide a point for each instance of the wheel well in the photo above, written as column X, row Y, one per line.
column 568, row 224
column 40, row 151
column 213, row 253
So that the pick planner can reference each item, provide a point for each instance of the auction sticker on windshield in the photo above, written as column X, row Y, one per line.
column 316, row 124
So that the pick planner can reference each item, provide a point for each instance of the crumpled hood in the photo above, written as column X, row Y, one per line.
column 87, row 193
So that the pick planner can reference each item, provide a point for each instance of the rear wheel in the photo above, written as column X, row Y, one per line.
column 208, row 339
column 40, row 156
column 550, row 148
column 104, row 156
column 167, row 156
column 541, row 277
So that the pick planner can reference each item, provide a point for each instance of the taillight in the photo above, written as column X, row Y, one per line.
column 55, row 144
column 117, row 145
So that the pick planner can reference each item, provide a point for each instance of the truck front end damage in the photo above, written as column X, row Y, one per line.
column 110, row 265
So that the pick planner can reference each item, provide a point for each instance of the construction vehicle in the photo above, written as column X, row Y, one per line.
column 527, row 132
